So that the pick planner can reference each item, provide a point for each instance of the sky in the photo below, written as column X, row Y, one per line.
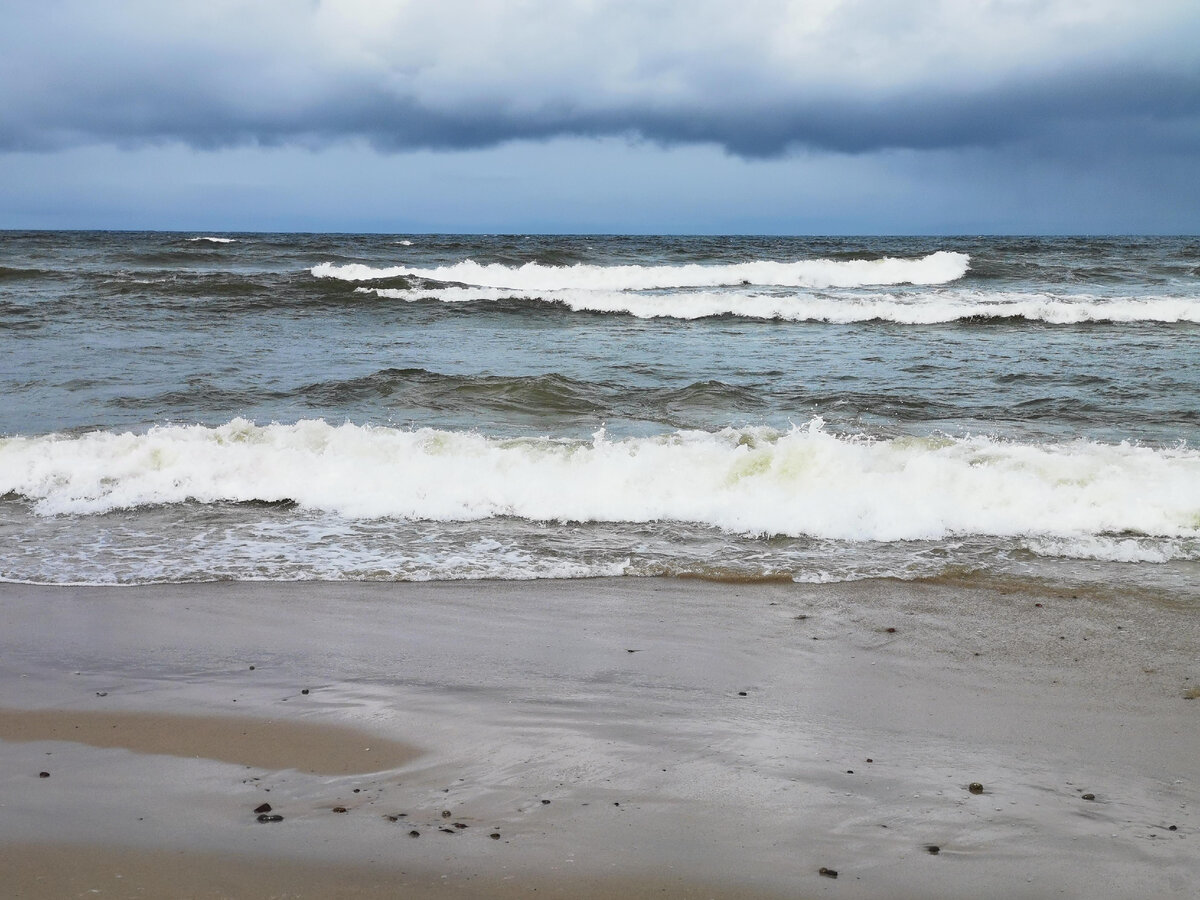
column 618, row 116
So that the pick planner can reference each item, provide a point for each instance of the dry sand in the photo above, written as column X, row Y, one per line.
column 625, row 737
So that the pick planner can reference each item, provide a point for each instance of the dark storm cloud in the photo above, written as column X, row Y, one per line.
column 467, row 75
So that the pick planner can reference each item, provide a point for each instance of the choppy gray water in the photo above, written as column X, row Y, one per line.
column 191, row 407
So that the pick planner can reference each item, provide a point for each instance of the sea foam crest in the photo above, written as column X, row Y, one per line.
column 800, row 482
column 936, row 268
column 946, row 306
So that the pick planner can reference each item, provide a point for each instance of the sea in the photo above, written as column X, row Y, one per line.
column 195, row 407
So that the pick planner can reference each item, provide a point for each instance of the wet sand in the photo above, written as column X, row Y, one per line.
column 622, row 737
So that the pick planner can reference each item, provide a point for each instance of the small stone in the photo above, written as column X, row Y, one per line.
column 742, row 694
column 305, row 691
column 252, row 668
column 891, row 631
column 828, row 873
column 849, row 771
column 460, row 825
column 392, row 818
column 933, row 849
column 1089, row 796
column 870, row 760
column 357, row 790
column 266, row 807
column 1172, row 828
column 975, row 787
column 445, row 813
column 339, row 809
column 266, row 818
column 414, row 833
column 545, row 803
column 495, row 835
column 43, row 774
column 101, row 693
column 448, row 830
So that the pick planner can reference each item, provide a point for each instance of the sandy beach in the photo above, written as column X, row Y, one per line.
column 606, row 737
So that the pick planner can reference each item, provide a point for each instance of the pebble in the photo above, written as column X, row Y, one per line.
column 414, row 833
column 445, row 813
column 1089, row 796
column 828, row 873
column 266, row 818
column 339, row 809
column 975, row 787
column 305, row 691
column 933, row 848
column 545, row 803
column 43, row 774
column 265, row 808
column 742, row 693
column 101, row 693
column 495, row 835
column 1172, row 828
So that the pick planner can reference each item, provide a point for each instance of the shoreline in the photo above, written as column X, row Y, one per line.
column 706, row 739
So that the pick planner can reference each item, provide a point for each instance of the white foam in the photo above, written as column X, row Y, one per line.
column 215, row 240
column 801, row 482
column 937, row 268
column 923, row 309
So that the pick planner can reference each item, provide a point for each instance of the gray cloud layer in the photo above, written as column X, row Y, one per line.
column 757, row 78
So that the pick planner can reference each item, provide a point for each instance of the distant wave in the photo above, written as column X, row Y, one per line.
column 214, row 240
column 937, row 268
column 946, row 306
column 802, row 482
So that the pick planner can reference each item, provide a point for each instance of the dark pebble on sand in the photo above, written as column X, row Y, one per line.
column 357, row 790
column 266, row 818
column 1089, row 796
column 891, row 631
column 266, row 807
column 339, row 809
column 933, row 848
column 1172, row 828
column 870, row 760
column 252, row 668
column 101, row 693
column 43, row 774
column 742, row 694
column 392, row 818
column 975, row 787
column 448, row 830
column 545, row 803
column 460, row 825
column 445, row 813
column 305, row 691
column 828, row 873
column 414, row 833
column 495, row 835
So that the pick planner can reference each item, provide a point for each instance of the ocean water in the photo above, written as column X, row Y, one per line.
column 193, row 407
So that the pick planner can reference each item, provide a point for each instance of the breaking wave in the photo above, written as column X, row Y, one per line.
column 925, row 309
column 1075, row 498
column 937, row 268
